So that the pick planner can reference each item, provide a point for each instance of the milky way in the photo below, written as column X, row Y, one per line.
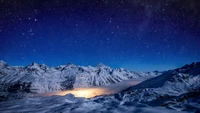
column 139, row 35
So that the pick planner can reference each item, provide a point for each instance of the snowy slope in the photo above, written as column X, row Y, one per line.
column 175, row 89
column 71, row 104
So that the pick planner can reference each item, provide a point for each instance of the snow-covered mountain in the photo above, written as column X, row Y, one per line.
column 174, row 91
column 39, row 78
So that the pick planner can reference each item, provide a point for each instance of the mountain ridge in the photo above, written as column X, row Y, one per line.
column 39, row 78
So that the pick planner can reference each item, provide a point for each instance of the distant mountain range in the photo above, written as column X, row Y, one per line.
column 39, row 78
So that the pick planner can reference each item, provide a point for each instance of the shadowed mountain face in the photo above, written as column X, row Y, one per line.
column 178, row 75
column 39, row 78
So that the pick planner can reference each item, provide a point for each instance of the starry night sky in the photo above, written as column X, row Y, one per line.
column 140, row 35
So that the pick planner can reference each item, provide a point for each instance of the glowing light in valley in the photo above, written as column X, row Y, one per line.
column 95, row 91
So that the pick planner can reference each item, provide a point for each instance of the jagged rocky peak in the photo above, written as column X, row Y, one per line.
column 120, row 69
column 69, row 64
column 101, row 65
column 3, row 64
column 36, row 66
column 193, row 68
column 43, row 66
column 66, row 66
column 33, row 64
column 194, row 64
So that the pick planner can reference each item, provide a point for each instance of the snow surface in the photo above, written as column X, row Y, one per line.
column 71, row 104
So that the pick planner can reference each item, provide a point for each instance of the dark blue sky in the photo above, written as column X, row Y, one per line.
column 141, row 35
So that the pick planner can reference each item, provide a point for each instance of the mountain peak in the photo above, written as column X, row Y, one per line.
column 1, row 61
column 192, row 65
column 3, row 64
column 33, row 64
column 100, row 65
column 69, row 64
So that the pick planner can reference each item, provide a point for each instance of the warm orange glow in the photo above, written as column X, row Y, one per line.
column 81, row 92
column 94, row 91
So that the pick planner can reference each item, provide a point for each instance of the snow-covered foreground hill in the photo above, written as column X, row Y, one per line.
column 71, row 104
column 173, row 91
column 18, row 81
